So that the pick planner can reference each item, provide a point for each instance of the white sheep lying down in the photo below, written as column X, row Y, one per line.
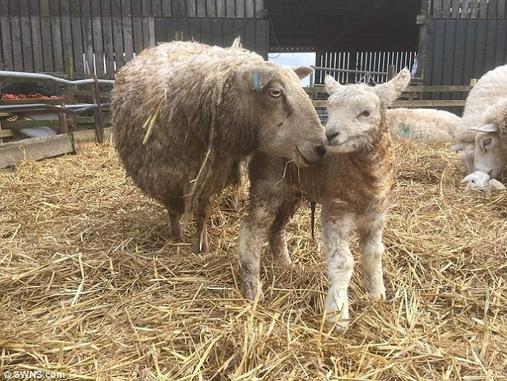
column 427, row 125
column 481, row 135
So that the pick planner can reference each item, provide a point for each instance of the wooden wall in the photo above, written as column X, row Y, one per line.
column 99, row 35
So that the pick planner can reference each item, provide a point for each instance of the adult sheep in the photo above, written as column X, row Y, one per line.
column 184, row 114
column 475, row 144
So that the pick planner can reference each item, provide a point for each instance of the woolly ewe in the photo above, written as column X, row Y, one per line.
column 185, row 114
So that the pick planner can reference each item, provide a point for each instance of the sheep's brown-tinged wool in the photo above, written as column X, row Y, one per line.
column 185, row 114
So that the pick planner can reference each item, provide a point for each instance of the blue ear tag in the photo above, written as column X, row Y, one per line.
column 256, row 81
column 406, row 131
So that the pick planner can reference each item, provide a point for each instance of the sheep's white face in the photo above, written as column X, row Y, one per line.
column 490, row 154
column 355, row 111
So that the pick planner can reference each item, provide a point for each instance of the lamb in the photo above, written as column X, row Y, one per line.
column 427, row 125
column 185, row 114
column 352, row 183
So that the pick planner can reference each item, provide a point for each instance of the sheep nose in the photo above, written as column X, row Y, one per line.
column 332, row 135
column 321, row 151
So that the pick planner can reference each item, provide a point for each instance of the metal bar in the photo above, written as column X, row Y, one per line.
column 47, row 77
column 70, row 109
column 349, row 70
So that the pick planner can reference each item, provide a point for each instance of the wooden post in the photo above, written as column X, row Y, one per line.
column 68, row 93
column 178, row 36
column 99, row 122
column 422, row 54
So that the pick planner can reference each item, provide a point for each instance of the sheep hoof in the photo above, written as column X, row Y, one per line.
column 251, row 290
column 377, row 296
column 338, row 323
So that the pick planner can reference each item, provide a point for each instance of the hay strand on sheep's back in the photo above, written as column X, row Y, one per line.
column 90, row 286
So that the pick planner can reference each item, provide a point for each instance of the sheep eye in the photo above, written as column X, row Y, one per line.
column 366, row 114
column 486, row 142
column 275, row 93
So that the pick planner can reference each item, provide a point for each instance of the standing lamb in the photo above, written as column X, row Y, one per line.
column 352, row 182
column 185, row 114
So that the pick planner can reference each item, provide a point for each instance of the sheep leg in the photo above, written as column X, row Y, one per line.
column 336, row 229
column 201, row 232
column 175, row 208
column 277, row 240
column 252, row 237
column 372, row 250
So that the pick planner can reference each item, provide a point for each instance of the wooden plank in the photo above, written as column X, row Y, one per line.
column 437, row 9
column 220, row 5
column 483, row 9
column 5, row 29
column 492, row 9
column 446, row 8
column 6, row 134
column 501, row 9
column 117, row 31
column 137, row 26
column 191, row 8
column 68, row 53
column 261, row 41
column 87, row 35
column 228, row 30
column 230, row 8
column 88, row 136
column 107, row 36
column 438, row 53
column 259, row 8
column 469, row 62
column 206, row 37
column 17, row 43
column 26, row 35
column 35, row 149
column 166, row 8
column 128, row 40
column 77, row 38
column 56, row 35
column 501, row 43
column 211, row 9
column 47, row 52
column 458, row 63
column 98, row 44
column 240, row 8
column 480, row 48
column 156, row 6
column 146, row 8
column 38, row 63
column 179, row 7
column 201, row 8
column 249, row 37
column 216, row 32
column 448, row 55
column 249, row 8
column 491, row 37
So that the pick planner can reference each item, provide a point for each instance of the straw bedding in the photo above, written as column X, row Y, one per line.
column 90, row 287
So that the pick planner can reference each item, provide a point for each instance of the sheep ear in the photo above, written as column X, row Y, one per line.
column 258, row 79
column 236, row 44
column 390, row 91
column 331, row 84
column 486, row 128
column 303, row 71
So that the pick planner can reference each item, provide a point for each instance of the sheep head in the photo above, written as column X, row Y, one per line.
column 490, row 154
column 282, row 114
column 356, row 112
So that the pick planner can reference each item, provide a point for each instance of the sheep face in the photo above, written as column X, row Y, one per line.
column 286, row 122
column 490, row 154
column 356, row 111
